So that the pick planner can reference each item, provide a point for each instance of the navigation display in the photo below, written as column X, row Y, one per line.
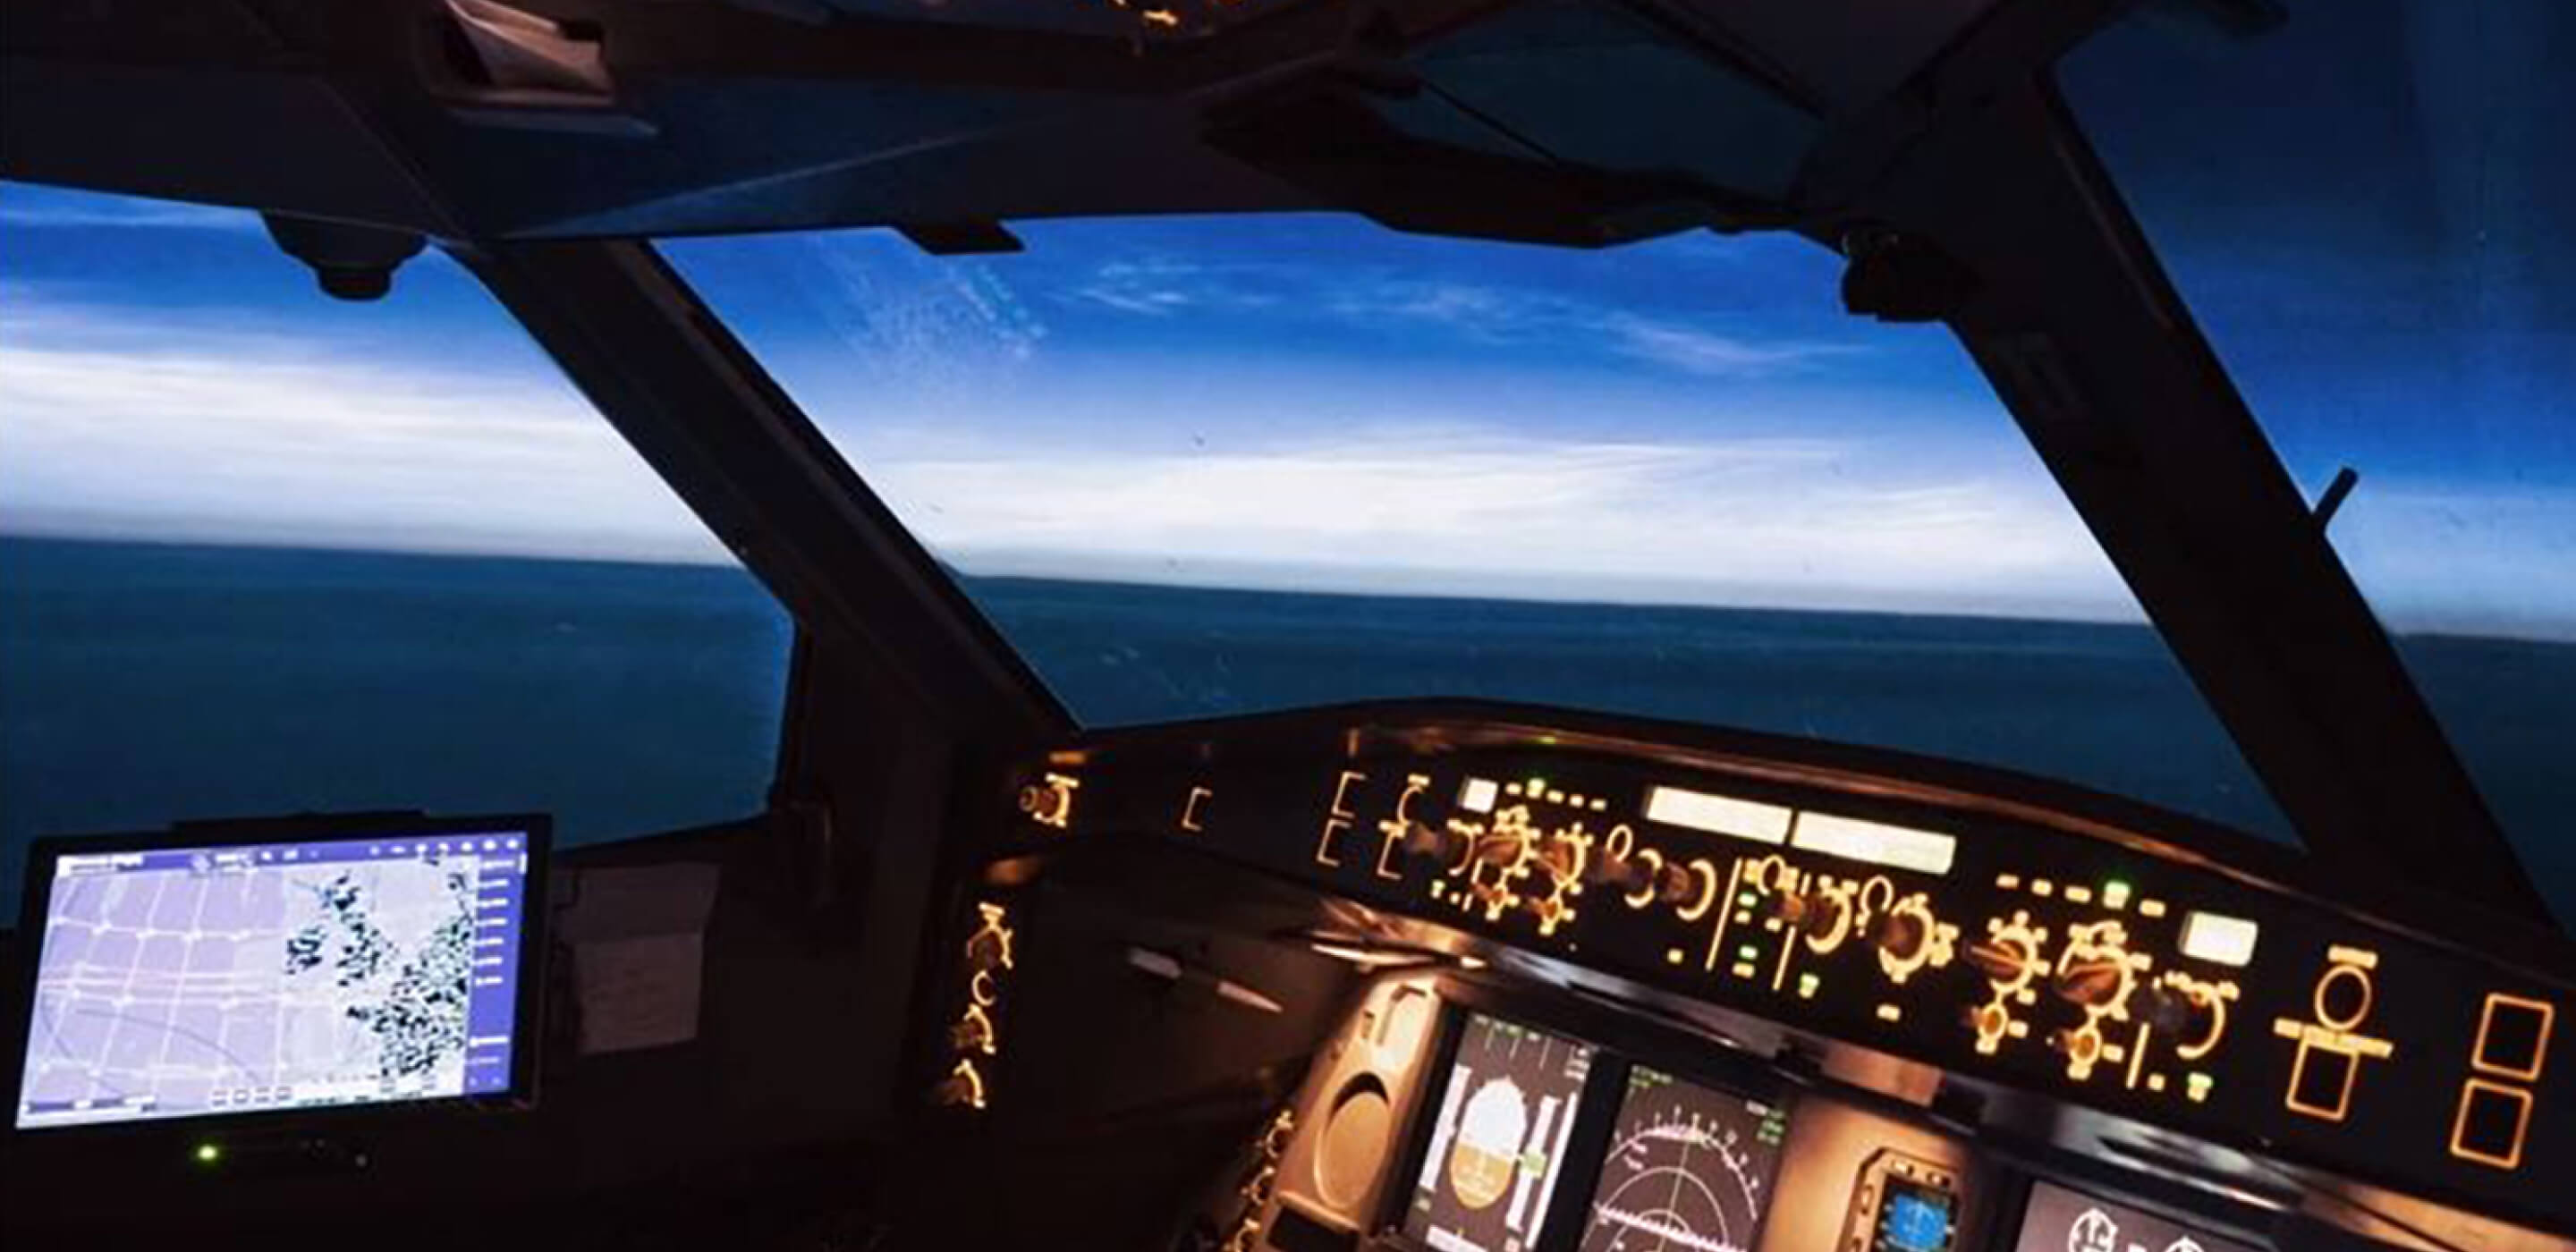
column 1689, row 1169
column 1915, row 1218
column 180, row 982
column 1497, row 1138
column 2059, row 1220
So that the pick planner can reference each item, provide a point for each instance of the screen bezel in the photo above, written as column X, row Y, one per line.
column 527, row 1024
column 1453, row 1033
column 1619, row 1042
column 1600, row 1156
column 2232, row 1221
column 1951, row 1204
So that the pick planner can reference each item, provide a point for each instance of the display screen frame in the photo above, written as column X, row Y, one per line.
column 1624, row 1088
column 1947, row 1201
column 2212, row 1227
column 17, row 1016
column 1574, row 1169
column 1619, row 1040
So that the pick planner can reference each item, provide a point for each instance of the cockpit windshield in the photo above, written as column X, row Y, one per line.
column 1204, row 466
column 2367, row 207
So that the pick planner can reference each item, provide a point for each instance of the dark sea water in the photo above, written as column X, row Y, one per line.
column 145, row 683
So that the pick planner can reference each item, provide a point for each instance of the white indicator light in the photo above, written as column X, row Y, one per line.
column 1718, row 815
column 2218, row 938
column 1478, row 795
column 1897, row 847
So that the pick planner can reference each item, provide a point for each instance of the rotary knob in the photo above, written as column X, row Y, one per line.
column 1430, row 845
column 1822, row 917
column 1901, row 934
column 2003, row 960
column 1826, row 916
column 1674, row 884
column 2175, row 1013
column 2092, row 984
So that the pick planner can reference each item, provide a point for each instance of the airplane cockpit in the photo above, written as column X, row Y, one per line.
column 1288, row 625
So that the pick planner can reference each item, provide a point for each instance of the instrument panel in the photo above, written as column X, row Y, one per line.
column 2007, row 931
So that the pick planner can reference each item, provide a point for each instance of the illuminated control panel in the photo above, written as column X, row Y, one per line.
column 982, row 975
column 2089, row 958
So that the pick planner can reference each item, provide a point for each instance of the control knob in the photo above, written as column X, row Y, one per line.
column 2092, row 984
column 1822, row 917
column 1901, row 933
column 2004, row 960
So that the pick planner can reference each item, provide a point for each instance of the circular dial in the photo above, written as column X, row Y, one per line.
column 1689, row 1170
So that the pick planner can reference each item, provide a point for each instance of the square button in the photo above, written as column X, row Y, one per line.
column 2490, row 1124
column 2321, row 1082
column 2513, row 1037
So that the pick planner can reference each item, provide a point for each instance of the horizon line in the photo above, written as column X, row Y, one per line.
column 2552, row 633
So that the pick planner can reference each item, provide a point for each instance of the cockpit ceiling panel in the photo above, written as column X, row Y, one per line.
column 1592, row 84
column 1847, row 53
column 809, row 155
column 1124, row 19
column 760, row 115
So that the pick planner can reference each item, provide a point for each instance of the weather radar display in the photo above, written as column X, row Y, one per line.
column 1498, row 1142
column 1689, row 1169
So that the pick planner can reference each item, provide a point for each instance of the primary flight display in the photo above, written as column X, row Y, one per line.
column 1499, row 1137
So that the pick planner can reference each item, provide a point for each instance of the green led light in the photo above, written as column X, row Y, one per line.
column 1807, row 984
column 1749, row 952
column 208, row 1154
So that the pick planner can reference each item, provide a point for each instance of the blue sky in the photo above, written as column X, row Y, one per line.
column 1316, row 403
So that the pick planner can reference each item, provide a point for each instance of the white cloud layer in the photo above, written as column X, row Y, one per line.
column 99, row 211
column 1484, row 313
column 1467, row 511
column 144, row 424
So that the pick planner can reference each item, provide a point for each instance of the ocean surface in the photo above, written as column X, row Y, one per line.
column 143, row 683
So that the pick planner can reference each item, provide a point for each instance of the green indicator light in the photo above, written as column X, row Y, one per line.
column 208, row 1154
column 1745, row 899
column 1537, row 785
column 2115, row 893
column 1807, row 984
column 1749, row 952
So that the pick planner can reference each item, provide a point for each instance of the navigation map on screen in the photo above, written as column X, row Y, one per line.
column 219, row 980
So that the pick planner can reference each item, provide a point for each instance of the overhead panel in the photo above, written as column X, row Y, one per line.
column 1152, row 19
column 1594, row 85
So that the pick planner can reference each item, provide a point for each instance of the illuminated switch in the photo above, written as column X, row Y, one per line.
column 1477, row 795
column 2321, row 1082
column 2490, row 1124
column 2513, row 1037
column 2331, row 1048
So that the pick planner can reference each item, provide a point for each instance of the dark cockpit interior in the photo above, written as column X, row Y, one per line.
column 1416, row 864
